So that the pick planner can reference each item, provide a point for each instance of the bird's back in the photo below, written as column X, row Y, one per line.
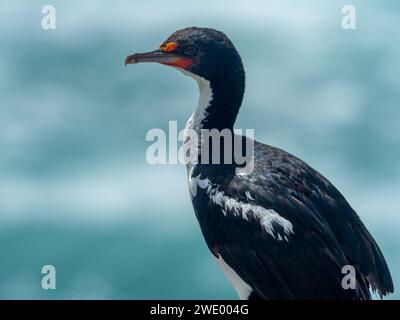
column 287, row 231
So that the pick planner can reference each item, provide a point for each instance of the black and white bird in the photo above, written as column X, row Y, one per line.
column 281, row 231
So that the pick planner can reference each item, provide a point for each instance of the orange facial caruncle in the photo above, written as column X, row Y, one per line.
column 169, row 47
column 180, row 62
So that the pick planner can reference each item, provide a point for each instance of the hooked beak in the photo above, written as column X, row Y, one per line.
column 167, row 58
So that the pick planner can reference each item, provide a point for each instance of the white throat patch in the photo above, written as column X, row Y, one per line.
column 205, row 98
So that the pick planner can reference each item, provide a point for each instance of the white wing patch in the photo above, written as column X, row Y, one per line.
column 249, row 196
column 268, row 217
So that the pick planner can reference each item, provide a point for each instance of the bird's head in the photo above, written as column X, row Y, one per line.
column 205, row 52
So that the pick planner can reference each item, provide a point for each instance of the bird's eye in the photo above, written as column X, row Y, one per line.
column 189, row 50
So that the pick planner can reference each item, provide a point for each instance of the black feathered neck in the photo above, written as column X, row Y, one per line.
column 227, row 96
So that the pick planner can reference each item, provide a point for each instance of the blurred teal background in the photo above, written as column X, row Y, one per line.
column 75, row 188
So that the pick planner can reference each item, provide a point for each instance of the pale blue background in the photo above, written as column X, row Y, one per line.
column 75, row 188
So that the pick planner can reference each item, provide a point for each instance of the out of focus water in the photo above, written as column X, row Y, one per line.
column 75, row 188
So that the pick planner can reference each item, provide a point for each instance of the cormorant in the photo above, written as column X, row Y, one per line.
column 281, row 231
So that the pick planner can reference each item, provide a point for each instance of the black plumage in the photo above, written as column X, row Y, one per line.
column 327, row 235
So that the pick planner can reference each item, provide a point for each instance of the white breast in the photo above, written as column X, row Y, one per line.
column 241, row 287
